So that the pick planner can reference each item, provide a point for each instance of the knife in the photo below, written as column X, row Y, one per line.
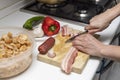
column 72, row 38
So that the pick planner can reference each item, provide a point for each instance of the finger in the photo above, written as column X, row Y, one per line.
column 79, row 39
column 80, row 48
column 78, row 43
column 92, row 31
column 82, row 37
column 88, row 27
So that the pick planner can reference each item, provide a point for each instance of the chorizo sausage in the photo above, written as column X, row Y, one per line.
column 46, row 46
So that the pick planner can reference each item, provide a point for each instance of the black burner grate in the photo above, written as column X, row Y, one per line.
column 76, row 11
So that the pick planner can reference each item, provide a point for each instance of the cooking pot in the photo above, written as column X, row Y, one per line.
column 51, row 1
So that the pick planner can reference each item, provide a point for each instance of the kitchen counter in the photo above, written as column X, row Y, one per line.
column 39, row 70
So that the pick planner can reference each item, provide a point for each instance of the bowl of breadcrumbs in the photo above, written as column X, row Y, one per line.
column 16, row 47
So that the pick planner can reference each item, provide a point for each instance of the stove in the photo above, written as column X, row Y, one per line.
column 71, row 9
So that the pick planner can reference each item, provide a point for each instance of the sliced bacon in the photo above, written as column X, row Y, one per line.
column 68, row 60
column 64, row 30
column 67, row 31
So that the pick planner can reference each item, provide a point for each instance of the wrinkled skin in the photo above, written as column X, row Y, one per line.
column 88, row 44
column 99, row 23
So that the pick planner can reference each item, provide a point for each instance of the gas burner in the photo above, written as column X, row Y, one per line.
column 95, row 1
column 51, row 5
column 62, row 4
column 71, row 9
column 50, row 8
column 82, row 13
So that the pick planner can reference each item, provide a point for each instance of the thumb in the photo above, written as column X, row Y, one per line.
column 88, row 27
column 91, row 29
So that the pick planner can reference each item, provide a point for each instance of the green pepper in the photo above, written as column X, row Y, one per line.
column 32, row 21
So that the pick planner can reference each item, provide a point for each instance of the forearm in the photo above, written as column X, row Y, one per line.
column 111, row 52
column 113, row 12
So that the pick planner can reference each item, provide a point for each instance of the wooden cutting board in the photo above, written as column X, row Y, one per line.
column 61, row 48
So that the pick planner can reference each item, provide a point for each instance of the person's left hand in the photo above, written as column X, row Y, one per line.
column 88, row 44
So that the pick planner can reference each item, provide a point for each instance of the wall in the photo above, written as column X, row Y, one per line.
column 9, row 6
column 7, row 3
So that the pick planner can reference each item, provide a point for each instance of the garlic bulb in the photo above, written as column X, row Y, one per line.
column 38, row 32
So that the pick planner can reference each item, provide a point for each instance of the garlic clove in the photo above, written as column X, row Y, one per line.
column 51, row 54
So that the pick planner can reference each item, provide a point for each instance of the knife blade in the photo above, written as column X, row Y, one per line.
column 72, row 38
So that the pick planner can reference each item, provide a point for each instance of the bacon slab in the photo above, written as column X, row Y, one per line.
column 67, row 31
column 68, row 60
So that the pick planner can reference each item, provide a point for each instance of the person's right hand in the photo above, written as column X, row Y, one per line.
column 99, row 23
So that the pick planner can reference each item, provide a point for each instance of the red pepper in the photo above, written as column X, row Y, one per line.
column 50, row 26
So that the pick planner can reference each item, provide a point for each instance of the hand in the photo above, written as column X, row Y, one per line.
column 99, row 22
column 88, row 44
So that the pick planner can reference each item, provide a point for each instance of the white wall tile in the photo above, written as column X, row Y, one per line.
column 7, row 3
